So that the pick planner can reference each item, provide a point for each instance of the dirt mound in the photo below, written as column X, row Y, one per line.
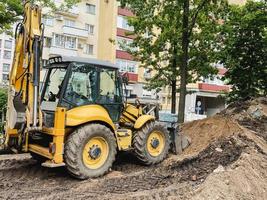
column 204, row 132
column 251, row 115
column 226, row 160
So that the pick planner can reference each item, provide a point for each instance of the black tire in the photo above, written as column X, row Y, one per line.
column 74, row 147
column 140, row 143
column 40, row 159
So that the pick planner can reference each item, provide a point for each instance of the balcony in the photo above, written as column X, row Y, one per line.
column 73, row 12
column 124, row 33
column 125, row 12
column 75, row 31
column 123, row 55
column 213, row 87
column 62, row 51
column 132, row 76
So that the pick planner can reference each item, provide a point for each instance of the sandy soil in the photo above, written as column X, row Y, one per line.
column 226, row 160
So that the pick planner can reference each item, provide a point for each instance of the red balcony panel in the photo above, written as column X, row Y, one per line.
column 222, row 71
column 123, row 33
column 132, row 76
column 125, row 12
column 123, row 55
column 213, row 87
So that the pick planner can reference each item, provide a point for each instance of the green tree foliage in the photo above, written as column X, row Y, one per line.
column 11, row 10
column 176, row 38
column 244, row 50
column 3, row 98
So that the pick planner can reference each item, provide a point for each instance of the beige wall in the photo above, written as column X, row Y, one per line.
column 107, row 30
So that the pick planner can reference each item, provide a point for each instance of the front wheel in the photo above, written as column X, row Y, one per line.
column 151, row 143
column 90, row 151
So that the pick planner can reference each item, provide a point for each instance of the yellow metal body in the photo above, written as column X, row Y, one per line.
column 20, row 77
column 124, row 139
column 58, row 133
column 89, row 113
column 142, row 120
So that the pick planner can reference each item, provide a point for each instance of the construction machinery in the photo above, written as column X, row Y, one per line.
column 77, row 116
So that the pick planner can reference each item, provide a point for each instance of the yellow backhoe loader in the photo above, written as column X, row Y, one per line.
column 77, row 116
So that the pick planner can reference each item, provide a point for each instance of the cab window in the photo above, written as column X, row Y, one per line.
column 81, row 88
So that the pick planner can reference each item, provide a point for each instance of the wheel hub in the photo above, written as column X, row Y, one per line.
column 154, row 143
column 95, row 152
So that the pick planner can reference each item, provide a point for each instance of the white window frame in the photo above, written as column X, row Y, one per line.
column 89, row 49
column 90, row 8
column 90, row 28
column 69, row 23
column 5, row 54
column 48, row 21
column 66, row 41
column 4, row 69
column 122, row 23
column 123, row 41
column 127, row 65
column 4, row 75
column 9, row 46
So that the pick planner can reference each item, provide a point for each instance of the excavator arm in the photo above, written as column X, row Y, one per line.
column 23, row 112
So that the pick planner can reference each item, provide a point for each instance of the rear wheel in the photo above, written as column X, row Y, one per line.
column 151, row 143
column 90, row 151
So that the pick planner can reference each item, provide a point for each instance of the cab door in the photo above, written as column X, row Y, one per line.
column 110, row 94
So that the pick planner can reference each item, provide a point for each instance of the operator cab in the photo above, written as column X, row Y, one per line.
column 71, row 82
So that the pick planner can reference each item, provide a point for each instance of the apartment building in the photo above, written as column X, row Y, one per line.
column 86, row 30
column 6, row 56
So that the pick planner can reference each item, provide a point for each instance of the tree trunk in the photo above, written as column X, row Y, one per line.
column 174, row 79
column 184, row 63
column 173, row 107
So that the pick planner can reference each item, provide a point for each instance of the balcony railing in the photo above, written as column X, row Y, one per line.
column 75, row 31
column 213, row 87
column 62, row 51
column 73, row 12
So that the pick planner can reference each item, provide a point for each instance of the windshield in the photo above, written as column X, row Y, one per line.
column 53, row 84
column 81, row 88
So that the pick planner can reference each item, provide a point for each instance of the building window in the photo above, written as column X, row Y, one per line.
column 6, row 67
column 90, row 28
column 89, row 49
column 5, row 77
column 122, row 22
column 124, row 43
column 90, row 8
column 48, row 21
column 59, row 40
column 127, row 65
column 8, row 44
column 65, row 41
column 70, row 42
column 7, row 54
column 69, row 23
